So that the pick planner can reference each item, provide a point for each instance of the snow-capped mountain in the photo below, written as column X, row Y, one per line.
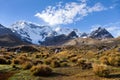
column 66, row 31
column 36, row 33
column 32, row 32
column 59, row 39
column 84, row 35
column 100, row 33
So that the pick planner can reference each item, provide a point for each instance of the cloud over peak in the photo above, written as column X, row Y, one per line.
column 114, row 28
column 68, row 13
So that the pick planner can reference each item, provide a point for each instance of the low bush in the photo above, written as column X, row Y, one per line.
column 104, row 60
column 101, row 70
column 114, row 60
column 55, row 64
column 13, row 65
column 48, row 61
column 8, row 62
column 3, row 60
column 74, row 59
column 16, row 61
column 84, row 64
column 7, row 57
column 81, row 61
column 72, row 55
column 64, row 64
column 27, row 65
column 36, row 62
column 41, row 70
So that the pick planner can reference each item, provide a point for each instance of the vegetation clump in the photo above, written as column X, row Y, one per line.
column 3, row 60
column 41, row 70
column 55, row 64
column 104, row 60
column 27, row 65
column 84, row 64
column 114, row 60
column 16, row 61
column 101, row 70
column 64, row 64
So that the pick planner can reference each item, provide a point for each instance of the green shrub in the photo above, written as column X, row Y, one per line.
column 101, row 70
column 41, row 70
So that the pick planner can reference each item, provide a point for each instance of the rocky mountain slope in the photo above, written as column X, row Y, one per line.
column 100, row 33
column 9, row 38
column 60, row 39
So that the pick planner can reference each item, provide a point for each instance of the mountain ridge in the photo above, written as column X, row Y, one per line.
column 47, row 35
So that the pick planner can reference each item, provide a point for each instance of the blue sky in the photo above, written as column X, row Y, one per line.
column 84, row 15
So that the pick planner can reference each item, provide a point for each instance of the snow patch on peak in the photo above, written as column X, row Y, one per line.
column 32, row 32
column 57, row 29
column 66, row 31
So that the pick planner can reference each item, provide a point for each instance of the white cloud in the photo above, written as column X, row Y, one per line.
column 113, row 28
column 83, row 0
column 95, row 27
column 97, row 7
column 113, row 6
column 57, row 29
column 68, row 13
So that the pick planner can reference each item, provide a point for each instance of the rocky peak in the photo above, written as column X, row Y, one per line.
column 72, row 35
column 84, row 35
column 100, row 33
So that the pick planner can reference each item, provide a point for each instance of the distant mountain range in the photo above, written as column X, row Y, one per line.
column 22, row 32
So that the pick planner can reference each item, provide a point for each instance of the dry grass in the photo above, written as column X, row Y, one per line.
column 41, row 70
column 16, row 61
column 101, row 70
column 3, row 60
column 104, row 60
column 71, row 63
column 27, row 65
column 55, row 64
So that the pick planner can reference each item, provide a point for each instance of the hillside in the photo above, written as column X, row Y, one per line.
column 66, row 62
